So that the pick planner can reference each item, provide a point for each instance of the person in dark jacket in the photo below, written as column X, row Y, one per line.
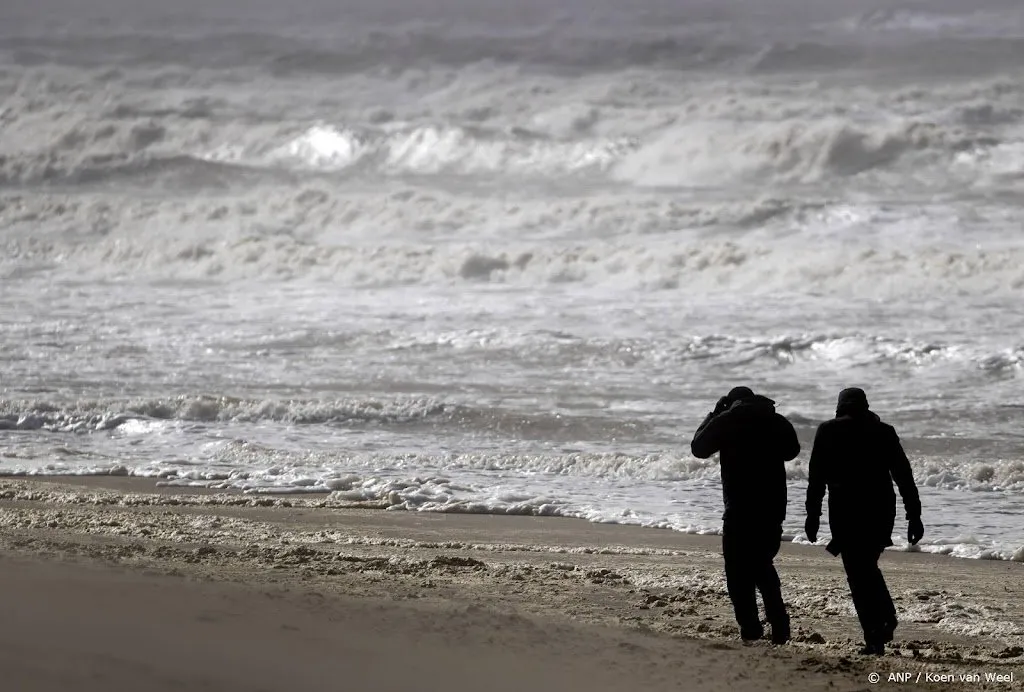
column 856, row 457
column 753, row 443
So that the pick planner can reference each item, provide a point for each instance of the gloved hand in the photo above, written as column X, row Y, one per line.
column 811, row 525
column 722, row 405
column 915, row 530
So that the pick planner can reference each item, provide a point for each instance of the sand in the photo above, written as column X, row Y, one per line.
column 114, row 584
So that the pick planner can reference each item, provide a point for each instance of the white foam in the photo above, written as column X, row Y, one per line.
column 1001, row 163
column 726, row 152
column 956, row 612
column 133, row 418
column 981, row 22
column 695, row 265
column 142, row 416
column 443, row 495
column 426, row 150
column 322, row 147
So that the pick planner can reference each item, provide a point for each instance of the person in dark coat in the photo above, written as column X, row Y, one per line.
column 753, row 443
column 856, row 458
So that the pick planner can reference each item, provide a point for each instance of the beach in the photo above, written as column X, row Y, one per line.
column 115, row 583
column 361, row 345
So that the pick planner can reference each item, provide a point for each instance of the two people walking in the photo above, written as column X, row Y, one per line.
column 855, row 459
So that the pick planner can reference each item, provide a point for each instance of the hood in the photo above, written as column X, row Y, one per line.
column 853, row 402
column 737, row 393
column 756, row 403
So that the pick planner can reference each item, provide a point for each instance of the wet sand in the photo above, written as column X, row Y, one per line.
column 113, row 583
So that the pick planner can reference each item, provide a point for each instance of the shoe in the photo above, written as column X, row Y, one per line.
column 751, row 633
column 873, row 648
column 876, row 639
column 780, row 631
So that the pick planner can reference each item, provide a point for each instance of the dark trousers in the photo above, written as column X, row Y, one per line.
column 875, row 609
column 749, row 550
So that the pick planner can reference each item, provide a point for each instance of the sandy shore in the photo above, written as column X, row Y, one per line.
column 111, row 583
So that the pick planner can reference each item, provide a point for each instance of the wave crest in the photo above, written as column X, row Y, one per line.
column 893, row 40
column 793, row 151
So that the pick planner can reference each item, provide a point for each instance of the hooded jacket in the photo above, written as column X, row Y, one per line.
column 753, row 442
column 857, row 457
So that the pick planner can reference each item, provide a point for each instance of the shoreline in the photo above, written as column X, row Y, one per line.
column 157, row 486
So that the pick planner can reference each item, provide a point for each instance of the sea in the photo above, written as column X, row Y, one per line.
column 502, row 256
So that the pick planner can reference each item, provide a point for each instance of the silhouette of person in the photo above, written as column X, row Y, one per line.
column 856, row 457
column 753, row 443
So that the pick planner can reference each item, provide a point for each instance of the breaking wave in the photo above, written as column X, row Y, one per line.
column 431, row 150
column 96, row 154
column 605, row 488
column 100, row 416
column 542, row 347
column 692, row 155
column 245, row 465
column 795, row 151
column 107, row 415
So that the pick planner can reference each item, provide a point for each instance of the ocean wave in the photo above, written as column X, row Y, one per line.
column 716, row 350
column 429, row 150
column 979, row 22
column 441, row 493
column 405, row 48
column 284, row 468
column 446, row 417
column 136, row 154
column 690, row 155
column 724, row 152
column 691, row 264
column 105, row 150
column 101, row 415
column 175, row 172
column 895, row 41
column 525, row 350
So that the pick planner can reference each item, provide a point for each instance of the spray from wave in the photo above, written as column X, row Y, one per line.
column 694, row 155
